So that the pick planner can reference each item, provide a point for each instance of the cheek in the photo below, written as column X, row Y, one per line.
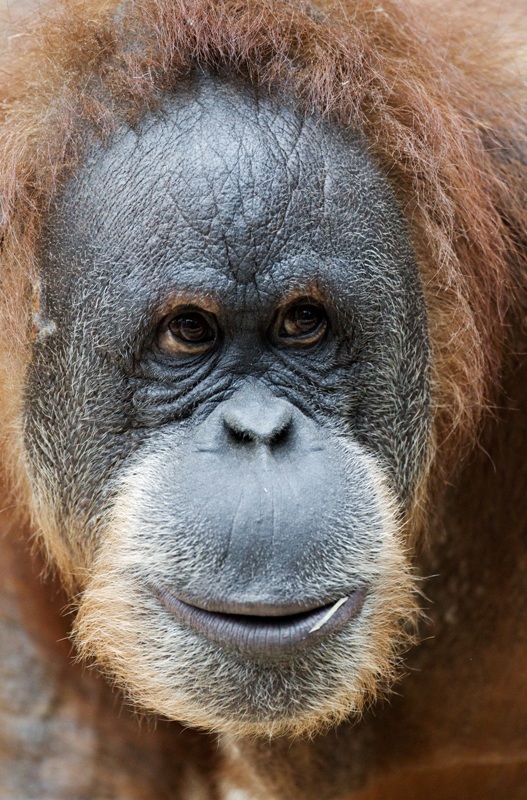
column 75, row 441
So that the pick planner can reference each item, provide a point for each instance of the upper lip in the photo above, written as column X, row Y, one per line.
column 262, row 627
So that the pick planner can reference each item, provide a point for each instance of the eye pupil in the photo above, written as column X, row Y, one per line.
column 306, row 317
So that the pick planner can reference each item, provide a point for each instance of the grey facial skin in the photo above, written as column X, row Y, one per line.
column 259, row 453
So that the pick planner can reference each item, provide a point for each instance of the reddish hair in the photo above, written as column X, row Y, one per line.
column 444, row 121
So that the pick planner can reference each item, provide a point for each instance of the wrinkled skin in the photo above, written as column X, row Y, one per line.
column 228, row 411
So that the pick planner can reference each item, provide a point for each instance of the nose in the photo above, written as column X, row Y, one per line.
column 255, row 417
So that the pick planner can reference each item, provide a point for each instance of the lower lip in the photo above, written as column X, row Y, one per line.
column 265, row 635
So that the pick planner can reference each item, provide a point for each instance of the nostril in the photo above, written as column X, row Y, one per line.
column 280, row 437
column 273, row 439
column 251, row 425
column 240, row 437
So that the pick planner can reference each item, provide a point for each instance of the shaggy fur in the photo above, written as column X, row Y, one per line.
column 428, row 106
column 445, row 120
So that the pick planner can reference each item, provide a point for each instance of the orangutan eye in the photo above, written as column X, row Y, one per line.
column 302, row 325
column 190, row 331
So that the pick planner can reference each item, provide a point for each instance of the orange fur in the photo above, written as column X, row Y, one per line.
column 443, row 112
column 434, row 109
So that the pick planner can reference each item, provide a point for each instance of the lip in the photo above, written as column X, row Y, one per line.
column 267, row 634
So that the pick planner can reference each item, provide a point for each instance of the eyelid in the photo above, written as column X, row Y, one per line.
column 186, row 301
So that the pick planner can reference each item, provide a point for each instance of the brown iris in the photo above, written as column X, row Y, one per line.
column 189, row 331
column 302, row 324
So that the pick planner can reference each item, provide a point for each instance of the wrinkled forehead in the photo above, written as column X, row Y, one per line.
column 224, row 185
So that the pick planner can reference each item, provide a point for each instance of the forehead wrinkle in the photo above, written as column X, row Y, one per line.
column 244, row 198
column 230, row 208
column 256, row 171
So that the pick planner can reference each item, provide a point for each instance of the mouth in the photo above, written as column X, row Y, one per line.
column 266, row 634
